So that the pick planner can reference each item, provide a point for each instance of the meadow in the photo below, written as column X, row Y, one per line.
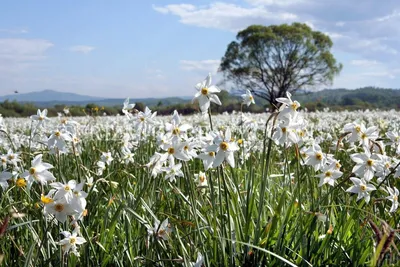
column 287, row 188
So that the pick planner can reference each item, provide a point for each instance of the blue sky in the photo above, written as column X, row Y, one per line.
column 162, row 48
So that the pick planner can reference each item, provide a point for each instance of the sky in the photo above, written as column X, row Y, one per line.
column 154, row 48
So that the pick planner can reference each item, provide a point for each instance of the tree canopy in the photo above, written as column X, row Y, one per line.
column 273, row 60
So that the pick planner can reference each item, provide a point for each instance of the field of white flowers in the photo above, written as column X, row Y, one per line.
column 287, row 188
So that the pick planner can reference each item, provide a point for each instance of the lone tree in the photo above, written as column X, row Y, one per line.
column 273, row 60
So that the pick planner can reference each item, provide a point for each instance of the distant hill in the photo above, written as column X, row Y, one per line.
column 363, row 98
column 367, row 97
column 49, row 98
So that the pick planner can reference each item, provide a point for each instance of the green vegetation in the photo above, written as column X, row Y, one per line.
column 359, row 99
column 335, row 99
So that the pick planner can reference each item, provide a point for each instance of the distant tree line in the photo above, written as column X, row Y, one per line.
column 338, row 99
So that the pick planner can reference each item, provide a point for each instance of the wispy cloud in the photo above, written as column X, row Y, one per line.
column 225, row 16
column 364, row 63
column 19, row 54
column 85, row 49
column 209, row 65
column 14, row 31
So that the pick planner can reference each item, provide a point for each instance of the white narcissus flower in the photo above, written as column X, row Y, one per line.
column 160, row 231
column 126, row 155
column 107, row 158
column 58, row 138
column 175, row 129
column 394, row 197
column 60, row 209
column 329, row 175
column 206, row 93
column 362, row 188
column 173, row 171
column 201, row 179
column 207, row 158
column 395, row 138
column 224, row 147
column 64, row 191
column 366, row 165
column 289, row 107
column 127, row 107
column 70, row 242
column 315, row 157
column 4, row 177
column 174, row 151
column 38, row 172
column 40, row 116
column 248, row 98
column 144, row 120
column 199, row 261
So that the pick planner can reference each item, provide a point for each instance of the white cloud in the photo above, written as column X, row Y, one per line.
column 19, row 54
column 209, row 65
column 275, row 2
column 226, row 16
column 85, row 49
column 14, row 31
column 394, row 14
column 364, row 63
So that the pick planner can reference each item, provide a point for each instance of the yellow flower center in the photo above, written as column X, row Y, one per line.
column 224, row 146
column 363, row 136
column 67, row 188
column 284, row 130
column 176, row 131
column 251, row 98
column 32, row 171
column 186, row 147
column 59, row 207
column 10, row 157
column 171, row 150
column 3, row 160
column 370, row 162
column 202, row 178
column 41, row 118
column 294, row 106
column 21, row 182
column 211, row 153
column 328, row 174
column 395, row 198
column 161, row 232
column 141, row 119
column 72, row 240
column 240, row 141
column 204, row 91
column 318, row 156
column 358, row 129
column 363, row 187
column 46, row 200
column 58, row 134
column 338, row 165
